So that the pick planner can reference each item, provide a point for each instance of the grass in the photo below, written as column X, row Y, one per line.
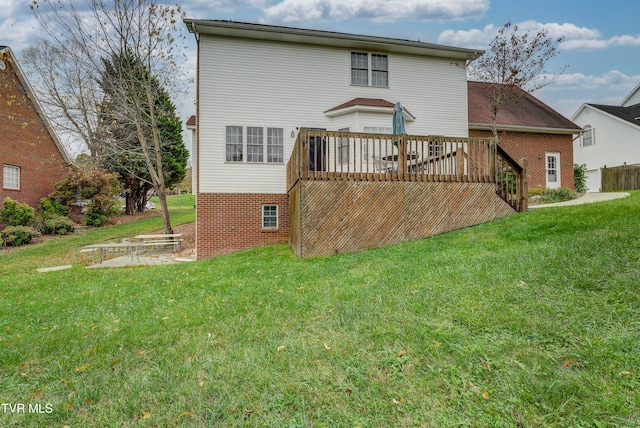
column 532, row 320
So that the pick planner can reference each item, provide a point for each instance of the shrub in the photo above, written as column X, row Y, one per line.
column 16, row 214
column 95, row 219
column 15, row 236
column 557, row 195
column 580, row 178
column 95, row 186
column 58, row 225
column 50, row 208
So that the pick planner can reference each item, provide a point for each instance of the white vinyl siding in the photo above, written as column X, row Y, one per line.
column 293, row 88
column 615, row 142
column 11, row 177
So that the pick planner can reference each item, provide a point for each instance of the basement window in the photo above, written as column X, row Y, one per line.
column 270, row 216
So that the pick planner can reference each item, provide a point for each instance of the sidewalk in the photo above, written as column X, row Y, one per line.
column 148, row 258
column 587, row 198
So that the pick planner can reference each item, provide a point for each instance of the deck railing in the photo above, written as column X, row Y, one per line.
column 328, row 155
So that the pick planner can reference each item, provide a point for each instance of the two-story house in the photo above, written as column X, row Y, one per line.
column 265, row 94
column 610, row 136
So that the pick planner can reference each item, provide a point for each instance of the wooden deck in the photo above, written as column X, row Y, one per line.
column 351, row 191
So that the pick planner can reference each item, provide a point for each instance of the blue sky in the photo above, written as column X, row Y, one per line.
column 601, row 47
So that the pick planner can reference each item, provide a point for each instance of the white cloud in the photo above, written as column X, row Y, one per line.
column 288, row 11
column 611, row 80
column 18, row 34
column 574, row 37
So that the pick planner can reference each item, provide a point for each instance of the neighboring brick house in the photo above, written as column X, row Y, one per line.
column 31, row 155
column 528, row 129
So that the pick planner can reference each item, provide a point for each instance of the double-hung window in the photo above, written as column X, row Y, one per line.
column 11, row 177
column 255, row 144
column 248, row 144
column 367, row 68
column 270, row 216
column 234, row 143
column 275, row 145
column 588, row 136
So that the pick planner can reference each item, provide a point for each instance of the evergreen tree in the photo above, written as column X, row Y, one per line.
column 124, row 153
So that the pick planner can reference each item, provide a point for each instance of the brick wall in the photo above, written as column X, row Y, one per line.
column 533, row 147
column 232, row 222
column 25, row 143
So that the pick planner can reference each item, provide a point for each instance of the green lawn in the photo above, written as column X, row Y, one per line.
column 529, row 321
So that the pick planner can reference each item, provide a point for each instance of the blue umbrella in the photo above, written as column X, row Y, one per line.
column 398, row 121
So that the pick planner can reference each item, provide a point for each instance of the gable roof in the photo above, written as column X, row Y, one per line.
column 5, row 52
column 629, row 114
column 191, row 121
column 631, row 94
column 247, row 30
column 527, row 114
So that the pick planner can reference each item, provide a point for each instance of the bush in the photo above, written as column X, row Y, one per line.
column 15, row 236
column 16, row 214
column 557, row 195
column 95, row 219
column 50, row 208
column 58, row 225
column 580, row 178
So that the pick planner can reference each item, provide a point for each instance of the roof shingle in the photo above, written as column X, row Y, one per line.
column 526, row 112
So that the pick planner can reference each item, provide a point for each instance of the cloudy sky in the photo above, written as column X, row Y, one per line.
column 601, row 47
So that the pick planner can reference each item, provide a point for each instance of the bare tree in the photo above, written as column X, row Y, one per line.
column 515, row 62
column 84, row 33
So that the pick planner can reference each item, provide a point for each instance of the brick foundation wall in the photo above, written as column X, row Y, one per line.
column 530, row 146
column 226, row 223
column 25, row 143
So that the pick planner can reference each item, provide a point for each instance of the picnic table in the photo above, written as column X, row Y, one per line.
column 160, row 240
column 130, row 248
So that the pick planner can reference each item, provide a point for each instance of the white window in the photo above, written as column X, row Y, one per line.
column 257, row 148
column 269, row 216
column 364, row 65
column 377, row 130
column 588, row 136
column 11, row 177
column 343, row 147
column 234, row 144
column 275, row 145
column 255, row 144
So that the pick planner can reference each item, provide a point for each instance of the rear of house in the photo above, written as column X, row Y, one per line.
column 259, row 87
column 31, row 156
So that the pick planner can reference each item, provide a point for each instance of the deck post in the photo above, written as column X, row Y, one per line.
column 523, row 185
column 402, row 157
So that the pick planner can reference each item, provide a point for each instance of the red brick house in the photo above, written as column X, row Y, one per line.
column 528, row 129
column 31, row 156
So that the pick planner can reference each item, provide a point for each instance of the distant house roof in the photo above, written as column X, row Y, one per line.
column 191, row 121
column 6, row 52
column 527, row 114
column 325, row 38
column 629, row 114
